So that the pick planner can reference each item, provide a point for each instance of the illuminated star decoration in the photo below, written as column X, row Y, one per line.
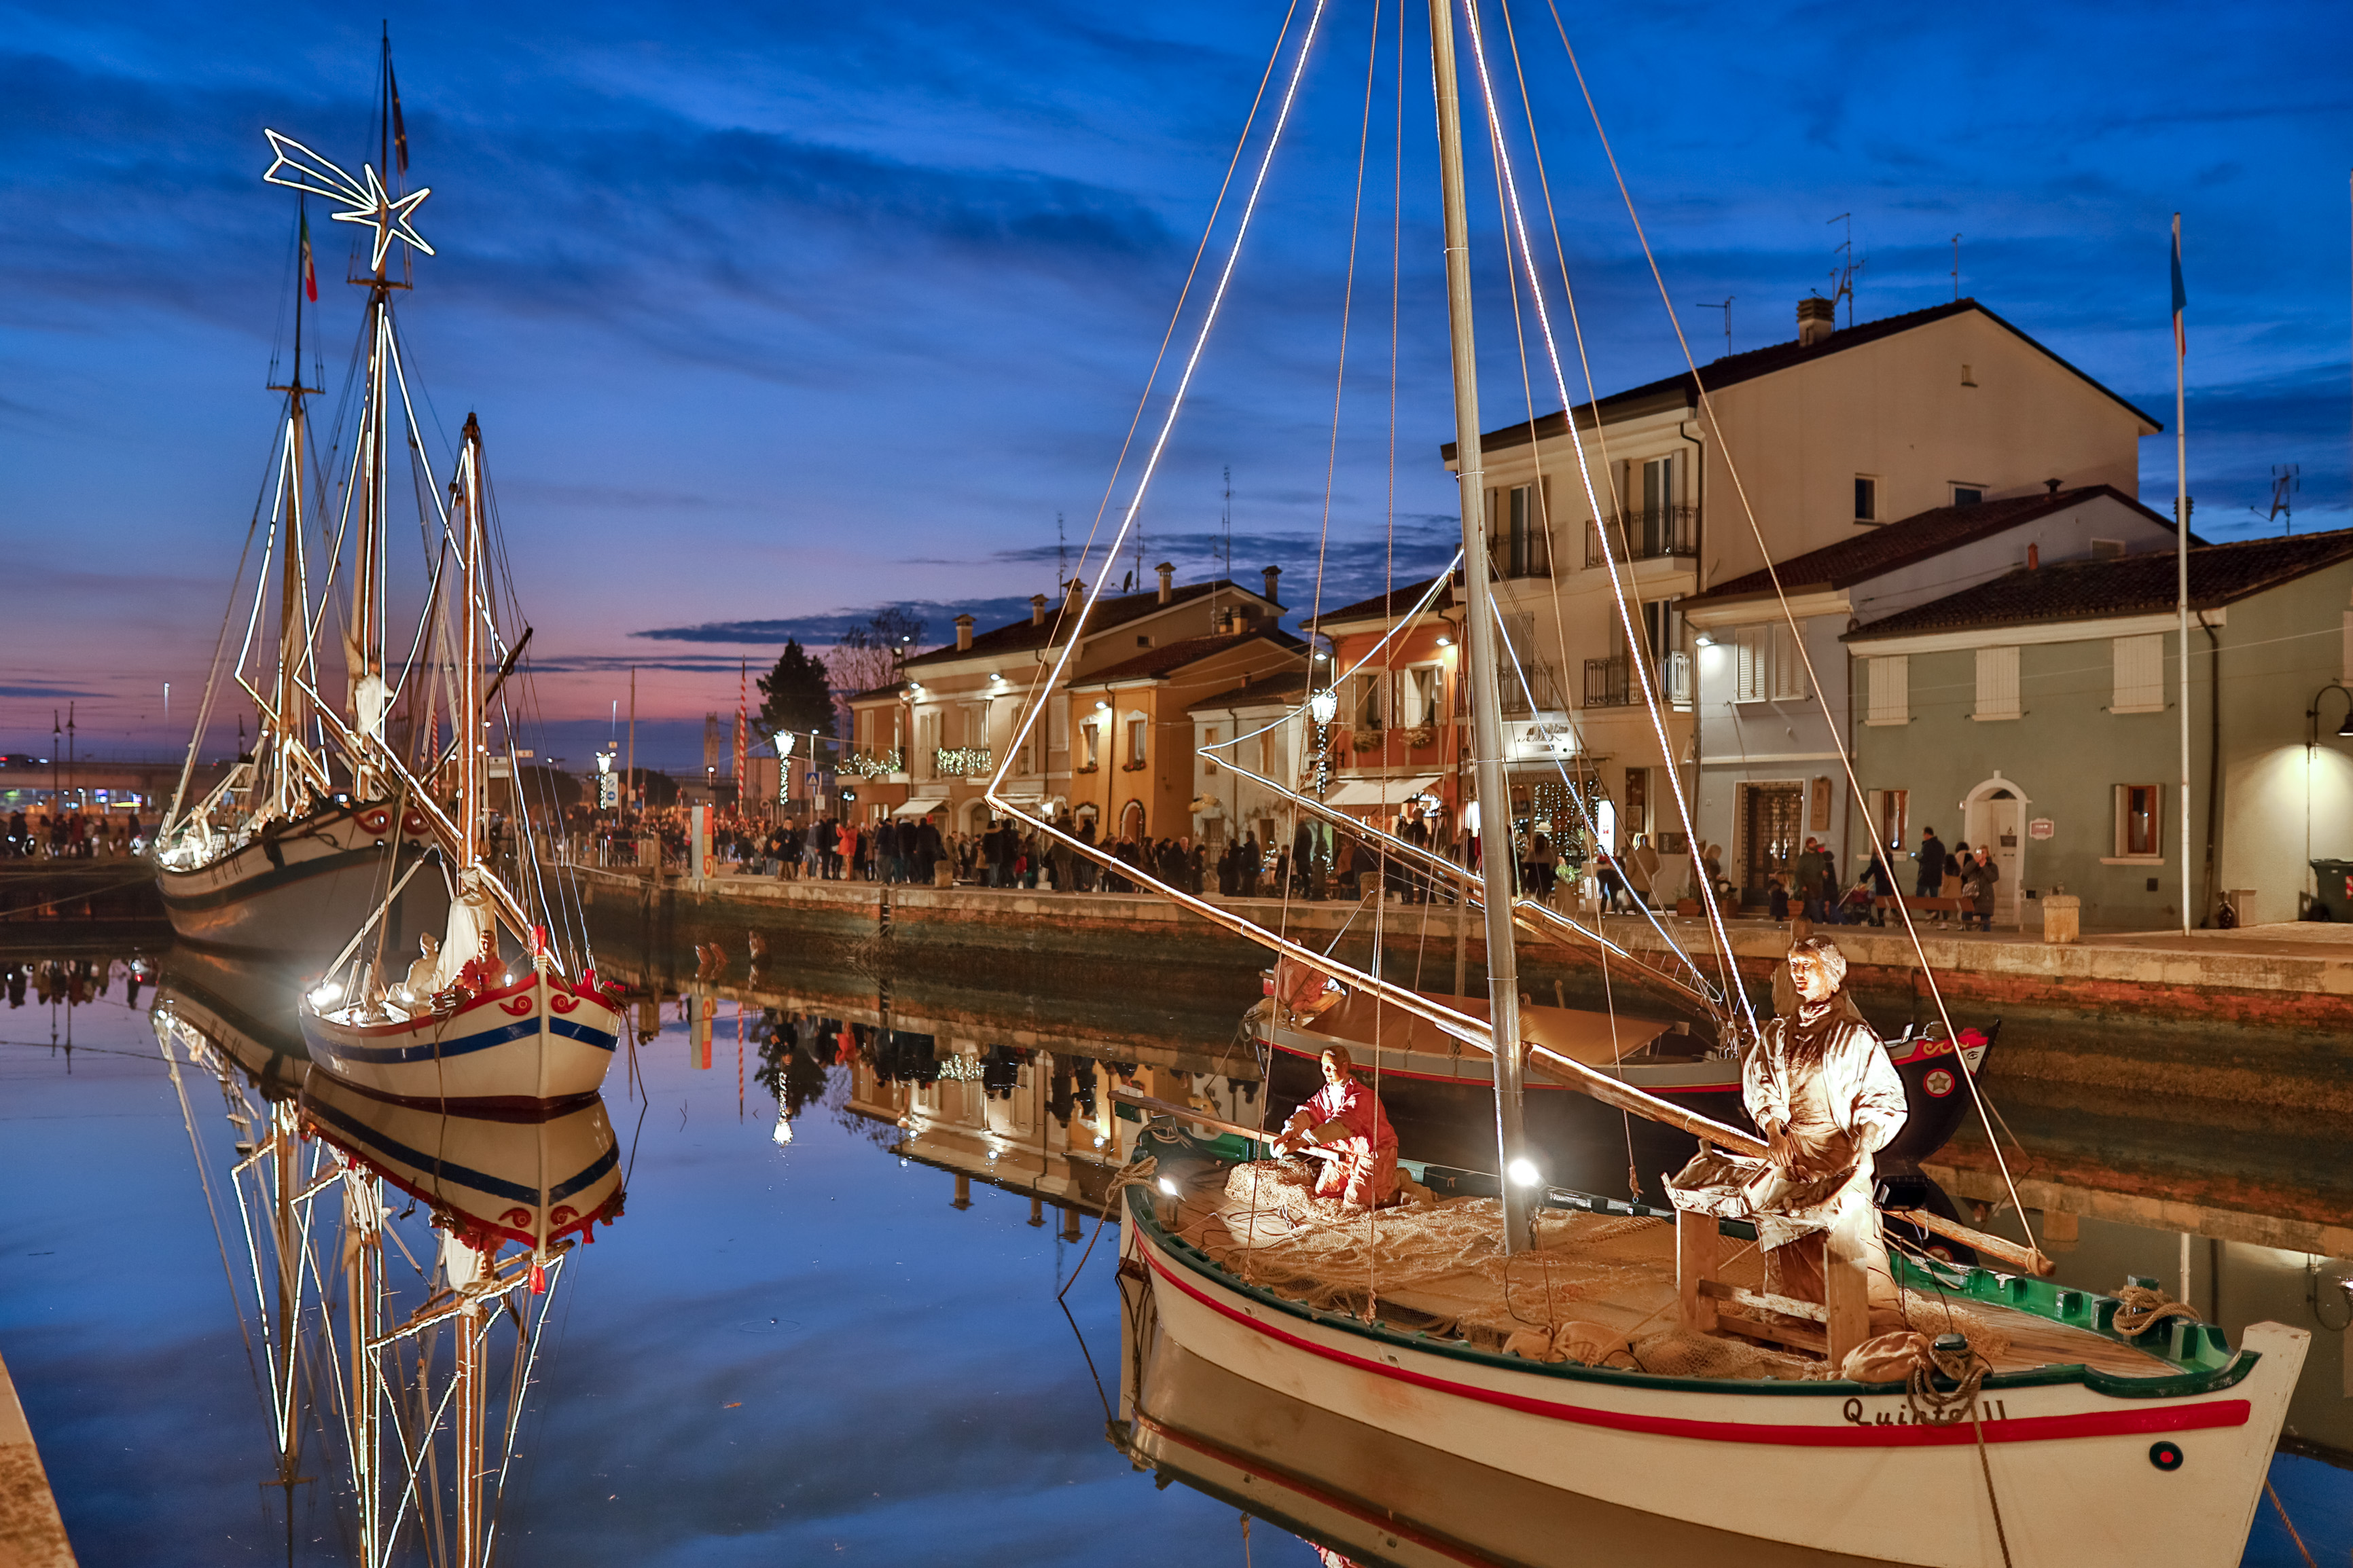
column 299, row 168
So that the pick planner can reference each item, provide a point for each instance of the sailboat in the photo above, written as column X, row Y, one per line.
column 488, row 1016
column 299, row 835
column 1605, row 1354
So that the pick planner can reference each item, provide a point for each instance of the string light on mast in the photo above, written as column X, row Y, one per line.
column 298, row 168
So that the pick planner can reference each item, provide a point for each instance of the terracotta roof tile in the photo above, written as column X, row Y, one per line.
column 1021, row 636
column 2220, row 574
column 1168, row 658
column 1734, row 369
column 1875, row 552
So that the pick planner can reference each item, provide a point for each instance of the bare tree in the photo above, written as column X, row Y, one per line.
column 868, row 654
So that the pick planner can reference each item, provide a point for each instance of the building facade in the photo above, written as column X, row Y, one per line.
column 1766, row 743
column 1839, row 431
column 927, row 744
column 2039, row 713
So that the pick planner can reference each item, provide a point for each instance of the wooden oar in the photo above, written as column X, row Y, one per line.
column 1136, row 1097
column 2025, row 1259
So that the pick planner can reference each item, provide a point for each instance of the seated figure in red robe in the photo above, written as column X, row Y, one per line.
column 1345, row 1126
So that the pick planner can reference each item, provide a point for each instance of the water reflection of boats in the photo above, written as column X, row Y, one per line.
column 401, row 1339
column 491, row 1180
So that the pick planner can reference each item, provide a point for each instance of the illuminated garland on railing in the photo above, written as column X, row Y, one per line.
column 874, row 764
column 964, row 762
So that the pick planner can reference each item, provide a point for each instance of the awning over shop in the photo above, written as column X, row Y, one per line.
column 921, row 805
column 1356, row 794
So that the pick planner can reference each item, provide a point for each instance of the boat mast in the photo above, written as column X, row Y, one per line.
column 467, row 720
column 1480, row 668
column 293, row 602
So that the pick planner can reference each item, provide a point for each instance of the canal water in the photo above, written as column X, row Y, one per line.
column 849, row 1332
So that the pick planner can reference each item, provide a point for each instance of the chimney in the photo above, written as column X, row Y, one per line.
column 1272, row 573
column 1168, row 581
column 1075, row 597
column 2052, row 485
column 2033, row 556
column 1816, row 320
column 963, row 634
column 1037, row 609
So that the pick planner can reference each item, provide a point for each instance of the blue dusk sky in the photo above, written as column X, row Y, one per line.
column 776, row 315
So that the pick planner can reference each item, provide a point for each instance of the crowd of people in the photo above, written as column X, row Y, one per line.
column 73, row 835
column 1319, row 862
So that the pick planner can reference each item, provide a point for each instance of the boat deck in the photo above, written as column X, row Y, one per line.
column 1436, row 1265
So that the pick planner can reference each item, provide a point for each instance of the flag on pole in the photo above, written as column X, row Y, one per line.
column 309, row 272
column 399, row 126
column 2180, row 295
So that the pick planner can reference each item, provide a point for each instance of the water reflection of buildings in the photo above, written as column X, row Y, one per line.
column 1016, row 1102
column 394, row 1333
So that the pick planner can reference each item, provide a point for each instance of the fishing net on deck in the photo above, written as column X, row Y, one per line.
column 1597, row 1289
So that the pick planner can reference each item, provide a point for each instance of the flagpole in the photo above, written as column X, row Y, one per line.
column 2182, row 556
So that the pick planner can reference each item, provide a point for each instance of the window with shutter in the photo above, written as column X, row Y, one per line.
column 2140, row 675
column 1209, row 758
column 1058, row 727
column 1789, row 675
column 1891, row 691
column 1996, row 683
column 1749, row 658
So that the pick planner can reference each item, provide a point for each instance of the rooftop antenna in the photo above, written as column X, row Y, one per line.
column 2286, row 480
column 1061, row 556
column 1844, row 274
column 1957, row 268
column 1229, row 521
column 1727, row 308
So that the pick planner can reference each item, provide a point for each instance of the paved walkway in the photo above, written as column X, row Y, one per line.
column 31, row 1533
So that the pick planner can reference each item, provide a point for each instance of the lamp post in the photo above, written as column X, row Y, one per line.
column 2312, row 714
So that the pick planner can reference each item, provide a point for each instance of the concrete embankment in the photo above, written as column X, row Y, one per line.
column 2215, row 1003
column 32, row 1534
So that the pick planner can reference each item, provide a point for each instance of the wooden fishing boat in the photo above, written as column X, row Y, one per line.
column 487, row 1018
column 1604, row 1355
column 2092, row 1447
column 298, row 839
column 285, row 885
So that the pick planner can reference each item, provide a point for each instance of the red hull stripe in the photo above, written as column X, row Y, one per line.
column 2023, row 1430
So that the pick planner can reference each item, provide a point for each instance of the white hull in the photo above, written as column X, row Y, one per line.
column 535, row 1042
column 1803, row 1464
column 307, row 889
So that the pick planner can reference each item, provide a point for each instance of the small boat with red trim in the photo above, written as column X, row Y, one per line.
column 2075, row 1443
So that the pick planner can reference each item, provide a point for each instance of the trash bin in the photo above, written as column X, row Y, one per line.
column 2336, row 889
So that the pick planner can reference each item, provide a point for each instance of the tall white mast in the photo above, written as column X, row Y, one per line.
column 2181, row 563
column 468, row 717
column 1480, row 667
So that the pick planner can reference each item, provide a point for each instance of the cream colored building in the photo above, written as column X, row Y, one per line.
column 927, row 745
column 1839, row 431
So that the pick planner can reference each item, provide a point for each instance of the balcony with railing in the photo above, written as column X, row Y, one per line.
column 1521, row 552
column 875, row 764
column 1541, row 693
column 1659, row 533
column 1610, row 683
column 962, row 763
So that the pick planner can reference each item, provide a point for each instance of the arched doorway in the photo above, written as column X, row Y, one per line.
column 1131, row 821
column 976, row 815
column 1993, row 816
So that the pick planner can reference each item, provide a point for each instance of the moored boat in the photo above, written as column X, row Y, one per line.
column 2085, row 1447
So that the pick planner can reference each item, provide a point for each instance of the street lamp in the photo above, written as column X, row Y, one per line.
column 2344, row 730
column 1324, row 705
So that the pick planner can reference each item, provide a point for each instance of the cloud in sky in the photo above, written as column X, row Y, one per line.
column 770, row 316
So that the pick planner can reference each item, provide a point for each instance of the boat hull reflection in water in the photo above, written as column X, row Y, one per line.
column 493, row 1180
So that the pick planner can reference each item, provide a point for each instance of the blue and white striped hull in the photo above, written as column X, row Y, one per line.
column 534, row 1043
